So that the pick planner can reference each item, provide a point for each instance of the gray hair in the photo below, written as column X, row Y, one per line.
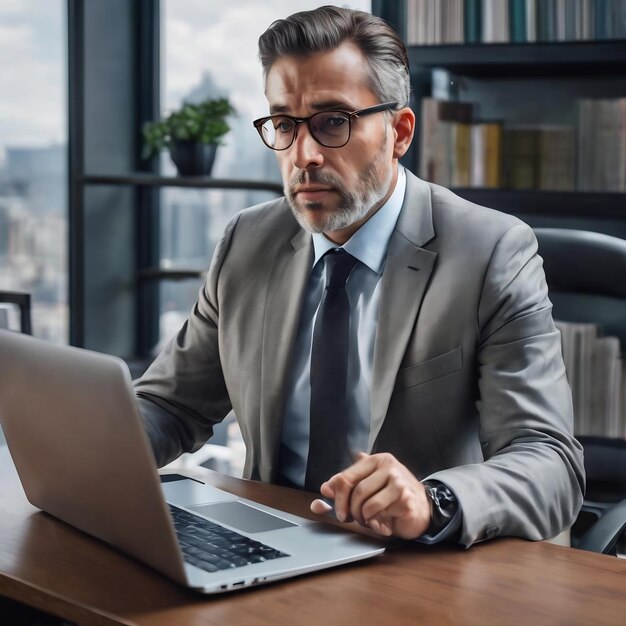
column 326, row 28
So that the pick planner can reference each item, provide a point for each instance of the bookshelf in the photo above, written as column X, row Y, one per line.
column 578, row 59
column 521, row 84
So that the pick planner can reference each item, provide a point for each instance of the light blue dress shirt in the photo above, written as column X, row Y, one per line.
column 369, row 245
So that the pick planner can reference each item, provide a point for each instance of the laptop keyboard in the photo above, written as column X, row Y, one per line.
column 213, row 547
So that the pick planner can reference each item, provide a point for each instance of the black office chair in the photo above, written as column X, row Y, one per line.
column 586, row 275
column 22, row 301
column 606, row 535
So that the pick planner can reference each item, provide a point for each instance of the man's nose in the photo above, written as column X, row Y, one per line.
column 306, row 152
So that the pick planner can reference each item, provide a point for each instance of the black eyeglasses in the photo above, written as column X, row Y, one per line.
column 329, row 128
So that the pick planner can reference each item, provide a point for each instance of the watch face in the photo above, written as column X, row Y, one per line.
column 432, row 494
column 443, row 498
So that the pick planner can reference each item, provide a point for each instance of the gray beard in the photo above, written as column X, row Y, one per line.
column 354, row 205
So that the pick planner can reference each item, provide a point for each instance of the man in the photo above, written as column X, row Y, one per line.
column 379, row 338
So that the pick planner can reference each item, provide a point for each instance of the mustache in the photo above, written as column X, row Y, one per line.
column 314, row 177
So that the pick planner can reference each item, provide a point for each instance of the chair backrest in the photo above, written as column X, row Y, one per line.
column 586, row 274
column 605, row 466
column 22, row 301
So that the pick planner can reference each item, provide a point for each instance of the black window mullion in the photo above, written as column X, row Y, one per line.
column 147, row 199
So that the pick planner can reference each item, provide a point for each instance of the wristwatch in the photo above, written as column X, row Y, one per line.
column 444, row 505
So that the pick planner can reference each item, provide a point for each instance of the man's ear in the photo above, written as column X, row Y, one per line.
column 404, row 127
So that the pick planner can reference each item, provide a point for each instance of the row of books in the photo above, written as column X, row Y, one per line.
column 597, row 377
column 458, row 151
column 430, row 22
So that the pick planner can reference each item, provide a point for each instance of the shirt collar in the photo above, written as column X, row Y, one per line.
column 369, row 244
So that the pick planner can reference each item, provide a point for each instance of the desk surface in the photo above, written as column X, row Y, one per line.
column 50, row 565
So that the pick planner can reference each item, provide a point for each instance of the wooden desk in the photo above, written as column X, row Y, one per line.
column 52, row 566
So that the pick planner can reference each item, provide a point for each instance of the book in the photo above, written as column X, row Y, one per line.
column 560, row 16
column 569, row 19
column 521, row 157
column 436, row 137
column 531, row 20
column 602, row 144
column 494, row 154
column 416, row 32
column 486, row 154
column 452, row 21
column 587, row 19
column 550, row 19
column 461, row 163
column 440, row 166
column 595, row 373
column 605, row 400
column 617, row 20
column 600, row 15
column 517, row 21
column 577, row 347
column 472, row 21
column 556, row 158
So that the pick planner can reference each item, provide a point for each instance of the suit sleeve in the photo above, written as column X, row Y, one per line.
column 183, row 394
column 532, row 479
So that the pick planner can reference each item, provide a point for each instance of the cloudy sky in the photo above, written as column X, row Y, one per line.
column 197, row 35
column 32, row 72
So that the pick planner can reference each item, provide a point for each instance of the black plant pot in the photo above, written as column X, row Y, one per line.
column 192, row 158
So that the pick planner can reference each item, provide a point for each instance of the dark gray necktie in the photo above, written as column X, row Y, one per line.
column 328, row 435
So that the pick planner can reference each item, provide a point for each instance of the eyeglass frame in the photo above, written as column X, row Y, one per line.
column 377, row 108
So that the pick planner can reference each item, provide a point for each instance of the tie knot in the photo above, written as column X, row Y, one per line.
column 339, row 264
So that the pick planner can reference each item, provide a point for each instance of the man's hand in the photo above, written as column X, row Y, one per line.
column 379, row 492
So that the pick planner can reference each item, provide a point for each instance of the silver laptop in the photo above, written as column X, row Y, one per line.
column 78, row 444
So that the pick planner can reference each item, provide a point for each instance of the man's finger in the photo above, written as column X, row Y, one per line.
column 380, row 501
column 364, row 491
column 382, row 528
column 342, row 485
column 320, row 507
column 344, row 482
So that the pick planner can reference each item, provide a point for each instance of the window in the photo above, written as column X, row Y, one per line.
column 209, row 49
column 33, row 170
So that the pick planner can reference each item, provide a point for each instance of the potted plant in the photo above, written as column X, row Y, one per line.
column 191, row 134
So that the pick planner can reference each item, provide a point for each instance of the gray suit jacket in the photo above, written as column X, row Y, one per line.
column 468, row 381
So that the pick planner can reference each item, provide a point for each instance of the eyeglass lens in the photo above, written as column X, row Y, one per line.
column 330, row 128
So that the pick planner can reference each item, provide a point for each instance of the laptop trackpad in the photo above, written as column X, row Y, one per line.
column 241, row 516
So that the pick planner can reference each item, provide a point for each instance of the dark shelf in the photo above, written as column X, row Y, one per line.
column 523, row 59
column 158, row 273
column 554, row 203
column 150, row 180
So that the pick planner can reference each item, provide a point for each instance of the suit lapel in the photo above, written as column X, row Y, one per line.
column 405, row 277
column 286, row 289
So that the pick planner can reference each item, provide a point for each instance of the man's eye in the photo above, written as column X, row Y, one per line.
column 283, row 126
column 336, row 121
